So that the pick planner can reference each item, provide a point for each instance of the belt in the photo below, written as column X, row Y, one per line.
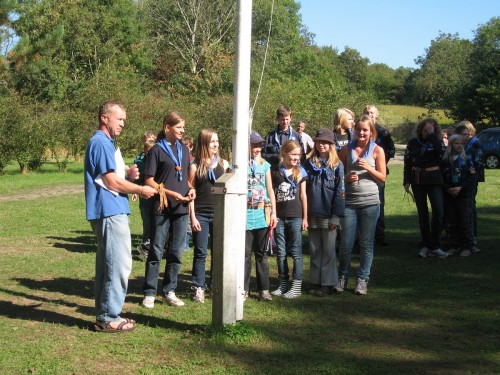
column 429, row 169
column 255, row 206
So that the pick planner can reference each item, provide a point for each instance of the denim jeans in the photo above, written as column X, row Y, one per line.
column 159, row 237
column 201, row 241
column 145, row 208
column 113, row 265
column 380, row 228
column 360, row 220
column 429, row 231
column 289, row 241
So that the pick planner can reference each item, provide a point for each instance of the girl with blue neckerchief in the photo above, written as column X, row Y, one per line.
column 289, row 183
column 459, row 178
column 166, row 170
column 205, row 169
column 365, row 166
column 326, row 204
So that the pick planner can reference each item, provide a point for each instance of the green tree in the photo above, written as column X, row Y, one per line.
column 194, row 43
column 479, row 98
column 444, row 71
column 66, row 42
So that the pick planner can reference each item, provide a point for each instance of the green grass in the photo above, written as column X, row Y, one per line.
column 420, row 316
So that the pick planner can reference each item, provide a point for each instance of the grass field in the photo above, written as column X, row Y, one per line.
column 421, row 316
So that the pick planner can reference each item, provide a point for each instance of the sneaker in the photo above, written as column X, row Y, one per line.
column 423, row 252
column 172, row 299
column 440, row 253
column 465, row 253
column 475, row 249
column 264, row 295
column 361, row 287
column 342, row 284
column 452, row 251
column 199, row 294
column 148, row 302
column 246, row 295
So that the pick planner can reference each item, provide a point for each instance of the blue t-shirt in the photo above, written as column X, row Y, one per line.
column 257, row 195
column 100, row 159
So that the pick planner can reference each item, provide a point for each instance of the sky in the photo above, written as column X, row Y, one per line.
column 393, row 32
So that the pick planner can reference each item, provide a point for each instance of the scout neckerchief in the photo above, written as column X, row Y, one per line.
column 320, row 170
column 252, row 167
column 177, row 160
column 369, row 151
column 277, row 139
column 211, row 173
column 293, row 183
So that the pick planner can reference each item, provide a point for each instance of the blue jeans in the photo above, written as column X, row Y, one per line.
column 380, row 228
column 289, row 241
column 145, row 208
column 429, row 231
column 113, row 265
column 201, row 243
column 360, row 220
column 159, row 237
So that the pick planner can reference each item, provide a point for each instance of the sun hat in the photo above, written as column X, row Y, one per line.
column 324, row 134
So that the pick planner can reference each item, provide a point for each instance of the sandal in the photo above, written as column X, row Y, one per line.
column 101, row 326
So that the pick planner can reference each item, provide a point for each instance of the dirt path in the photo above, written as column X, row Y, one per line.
column 49, row 191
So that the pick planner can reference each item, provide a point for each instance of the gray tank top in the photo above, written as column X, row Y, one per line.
column 364, row 192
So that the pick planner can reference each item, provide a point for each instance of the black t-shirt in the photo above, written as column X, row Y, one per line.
column 204, row 201
column 288, row 203
column 162, row 168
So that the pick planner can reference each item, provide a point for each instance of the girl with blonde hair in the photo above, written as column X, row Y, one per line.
column 289, row 182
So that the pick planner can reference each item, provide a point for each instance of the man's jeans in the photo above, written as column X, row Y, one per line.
column 113, row 265
column 362, row 221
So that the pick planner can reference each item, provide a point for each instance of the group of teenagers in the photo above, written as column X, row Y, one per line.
column 330, row 185
column 294, row 184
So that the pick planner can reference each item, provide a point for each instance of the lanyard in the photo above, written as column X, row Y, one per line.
column 166, row 147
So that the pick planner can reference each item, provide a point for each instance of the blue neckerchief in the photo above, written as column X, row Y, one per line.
column 252, row 167
column 293, row 183
column 352, row 146
column 322, row 170
column 211, row 174
column 277, row 139
column 166, row 147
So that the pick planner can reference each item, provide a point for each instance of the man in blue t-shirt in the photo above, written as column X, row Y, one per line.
column 107, row 183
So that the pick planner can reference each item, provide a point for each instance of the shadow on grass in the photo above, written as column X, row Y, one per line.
column 76, row 242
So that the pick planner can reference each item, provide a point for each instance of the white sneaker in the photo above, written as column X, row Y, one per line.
column 361, row 287
column 199, row 294
column 440, row 253
column 172, row 299
column 423, row 252
column 148, row 302
column 465, row 253
column 475, row 249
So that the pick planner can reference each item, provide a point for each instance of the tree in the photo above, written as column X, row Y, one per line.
column 66, row 42
column 479, row 99
column 444, row 71
column 354, row 68
column 194, row 40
